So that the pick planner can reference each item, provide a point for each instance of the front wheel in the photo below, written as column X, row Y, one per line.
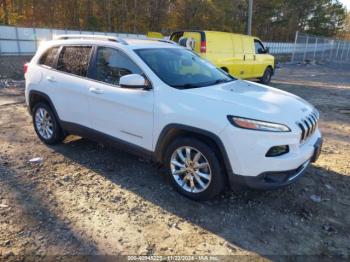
column 266, row 78
column 194, row 169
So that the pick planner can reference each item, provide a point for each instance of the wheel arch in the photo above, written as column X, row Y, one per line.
column 36, row 97
column 271, row 67
column 173, row 131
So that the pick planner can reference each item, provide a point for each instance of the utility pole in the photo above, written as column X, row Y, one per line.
column 250, row 17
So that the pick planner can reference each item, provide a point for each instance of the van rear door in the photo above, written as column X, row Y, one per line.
column 219, row 50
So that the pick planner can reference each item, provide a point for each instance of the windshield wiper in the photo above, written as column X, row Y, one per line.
column 186, row 86
column 219, row 81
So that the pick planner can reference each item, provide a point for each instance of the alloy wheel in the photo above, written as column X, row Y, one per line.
column 190, row 169
column 43, row 123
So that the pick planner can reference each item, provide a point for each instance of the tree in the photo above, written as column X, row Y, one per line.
column 5, row 12
column 275, row 20
column 345, row 31
column 326, row 18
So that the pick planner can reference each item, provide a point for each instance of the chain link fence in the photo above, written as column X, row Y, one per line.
column 310, row 49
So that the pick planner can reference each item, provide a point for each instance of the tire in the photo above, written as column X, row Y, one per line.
column 266, row 79
column 212, row 178
column 46, row 124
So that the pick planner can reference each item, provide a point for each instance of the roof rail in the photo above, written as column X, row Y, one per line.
column 97, row 37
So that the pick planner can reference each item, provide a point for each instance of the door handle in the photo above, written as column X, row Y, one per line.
column 50, row 79
column 243, row 57
column 96, row 90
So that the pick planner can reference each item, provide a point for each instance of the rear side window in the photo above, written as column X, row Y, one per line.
column 74, row 60
column 49, row 57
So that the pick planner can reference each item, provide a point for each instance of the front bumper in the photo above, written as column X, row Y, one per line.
column 249, row 166
column 270, row 180
column 276, row 179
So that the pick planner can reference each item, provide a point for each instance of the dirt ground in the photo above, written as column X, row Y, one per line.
column 86, row 198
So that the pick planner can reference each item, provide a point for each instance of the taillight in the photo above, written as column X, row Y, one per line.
column 203, row 47
column 25, row 68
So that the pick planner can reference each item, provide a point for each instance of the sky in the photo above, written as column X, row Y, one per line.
column 346, row 3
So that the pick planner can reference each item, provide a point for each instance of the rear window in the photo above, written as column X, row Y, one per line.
column 74, row 60
column 49, row 57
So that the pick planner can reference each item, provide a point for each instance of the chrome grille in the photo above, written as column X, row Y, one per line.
column 308, row 125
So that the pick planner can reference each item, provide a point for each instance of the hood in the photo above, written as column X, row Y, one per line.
column 256, row 101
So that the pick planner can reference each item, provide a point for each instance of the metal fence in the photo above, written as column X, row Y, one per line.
column 305, row 48
column 281, row 50
column 309, row 48
column 25, row 41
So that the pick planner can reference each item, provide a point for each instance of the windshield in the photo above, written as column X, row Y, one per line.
column 181, row 68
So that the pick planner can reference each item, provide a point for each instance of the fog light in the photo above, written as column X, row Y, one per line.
column 277, row 151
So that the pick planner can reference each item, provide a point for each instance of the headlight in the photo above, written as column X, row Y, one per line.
column 256, row 124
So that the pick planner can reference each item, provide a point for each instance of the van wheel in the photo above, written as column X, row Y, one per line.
column 46, row 124
column 194, row 169
column 266, row 79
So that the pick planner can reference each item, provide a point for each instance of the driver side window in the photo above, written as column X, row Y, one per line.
column 111, row 64
column 259, row 48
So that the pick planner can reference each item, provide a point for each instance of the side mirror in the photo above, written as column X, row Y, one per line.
column 134, row 81
column 267, row 50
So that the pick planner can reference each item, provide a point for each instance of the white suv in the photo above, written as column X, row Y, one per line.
column 206, row 128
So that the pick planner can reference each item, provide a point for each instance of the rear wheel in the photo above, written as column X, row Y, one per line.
column 194, row 169
column 266, row 79
column 46, row 124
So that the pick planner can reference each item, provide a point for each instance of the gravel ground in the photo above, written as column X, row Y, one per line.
column 86, row 198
